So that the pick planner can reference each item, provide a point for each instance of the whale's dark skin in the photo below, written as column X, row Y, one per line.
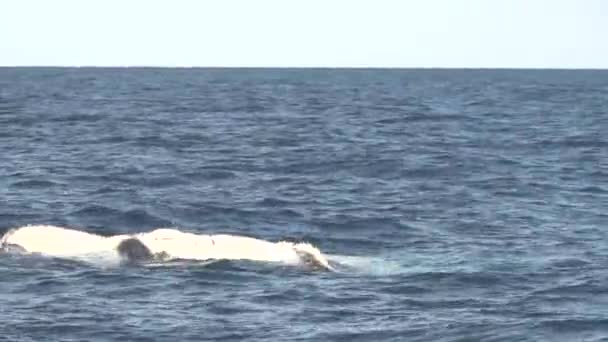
column 12, row 248
column 133, row 250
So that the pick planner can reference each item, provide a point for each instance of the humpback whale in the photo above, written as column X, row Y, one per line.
column 159, row 245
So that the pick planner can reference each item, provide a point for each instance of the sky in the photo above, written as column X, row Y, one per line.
column 306, row 33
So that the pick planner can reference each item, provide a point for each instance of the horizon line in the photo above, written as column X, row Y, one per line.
column 143, row 66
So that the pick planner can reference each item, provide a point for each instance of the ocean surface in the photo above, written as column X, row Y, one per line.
column 464, row 205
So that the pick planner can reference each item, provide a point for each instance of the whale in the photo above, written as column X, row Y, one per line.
column 162, row 244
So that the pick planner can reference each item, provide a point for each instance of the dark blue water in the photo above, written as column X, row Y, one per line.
column 469, row 204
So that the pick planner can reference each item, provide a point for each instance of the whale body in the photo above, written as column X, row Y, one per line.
column 158, row 245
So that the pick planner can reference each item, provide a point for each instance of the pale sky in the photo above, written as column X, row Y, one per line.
column 306, row 33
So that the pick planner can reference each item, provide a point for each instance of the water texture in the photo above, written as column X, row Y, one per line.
column 467, row 205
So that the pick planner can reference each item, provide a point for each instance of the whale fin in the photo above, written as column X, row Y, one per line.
column 133, row 250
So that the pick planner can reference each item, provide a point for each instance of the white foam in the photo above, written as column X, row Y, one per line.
column 69, row 243
column 366, row 265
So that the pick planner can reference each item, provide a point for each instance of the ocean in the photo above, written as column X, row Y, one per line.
column 463, row 205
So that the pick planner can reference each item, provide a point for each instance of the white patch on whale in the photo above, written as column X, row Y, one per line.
column 170, row 243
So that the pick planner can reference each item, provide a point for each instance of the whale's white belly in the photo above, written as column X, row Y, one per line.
column 60, row 242
column 171, row 243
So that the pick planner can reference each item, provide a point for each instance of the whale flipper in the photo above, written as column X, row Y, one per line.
column 133, row 250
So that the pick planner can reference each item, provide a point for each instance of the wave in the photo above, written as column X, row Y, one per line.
column 365, row 265
column 162, row 244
